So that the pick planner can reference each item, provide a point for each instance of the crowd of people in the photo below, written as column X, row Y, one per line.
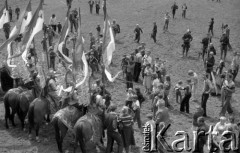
column 140, row 67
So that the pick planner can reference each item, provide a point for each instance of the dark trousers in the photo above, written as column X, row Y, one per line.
column 185, row 47
column 137, row 118
column 234, row 73
column 129, row 79
column 54, row 27
column 111, row 136
column 73, row 24
column 165, row 98
column 178, row 96
column 137, row 71
column 205, row 97
column 185, row 103
column 154, row 37
column 184, row 14
column 173, row 13
column 204, row 51
column 226, row 106
column 52, row 63
column 137, row 38
column 97, row 10
column 165, row 27
column 7, row 34
column 224, row 51
column 210, row 30
column 50, row 40
column 91, row 8
column 10, row 16
column 17, row 16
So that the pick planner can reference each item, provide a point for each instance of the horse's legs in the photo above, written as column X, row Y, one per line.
column 6, row 121
column 12, row 118
column 63, row 131
column 37, row 132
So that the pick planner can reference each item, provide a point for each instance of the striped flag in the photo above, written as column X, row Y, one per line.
column 80, row 61
column 16, row 30
column 35, row 26
column 4, row 15
column 64, row 33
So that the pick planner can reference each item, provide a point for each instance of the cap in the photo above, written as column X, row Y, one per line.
column 223, row 118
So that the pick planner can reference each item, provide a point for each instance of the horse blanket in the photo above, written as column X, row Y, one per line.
column 96, row 123
column 68, row 115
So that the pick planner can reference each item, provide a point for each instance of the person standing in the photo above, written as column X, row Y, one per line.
column 6, row 29
column 52, row 56
column 59, row 26
column 136, row 110
column 184, row 10
column 129, row 75
column 205, row 42
column 207, row 86
column 147, row 81
column 97, row 5
column 17, row 11
column 228, row 89
column 137, row 32
column 178, row 87
column 53, row 22
column 116, row 28
column 210, row 62
column 167, row 87
column 174, row 8
column 166, row 18
column 184, row 106
column 91, row 3
column 227, row 31
column 138, row 66
column 154, row 32
column 73, row 20
column 126, row 130
column 112, row 133
column 98, row 31
column 224, row 46
column 194, row 83
column 10, row 13
column 187, row 38
column 235, row 65
column 210, row 29
column 92, row 40
column 50, row 33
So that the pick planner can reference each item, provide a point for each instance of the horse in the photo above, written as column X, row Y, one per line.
column 89, row 128
column 7, row 82
column 65, row 119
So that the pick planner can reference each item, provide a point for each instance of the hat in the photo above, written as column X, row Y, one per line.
column 223, row 118
column 188, row 30
column 211, row 53
column 211, row 44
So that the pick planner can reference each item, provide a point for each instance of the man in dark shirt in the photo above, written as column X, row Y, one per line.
column 6, row 29
column 17, row 11
column 184, row 106
column 205, row 42
column 112, row 133
column 59, row 26
column 10, row 13
column 224, row 45
column 174, row 8
column 97, row 5
column 91, row 3
column 137, row 32
column 210, row 61
column 187, row 38
column 154, row 32
column 210, row 29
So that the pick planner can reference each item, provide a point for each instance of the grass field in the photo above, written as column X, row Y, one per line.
column 128, row 13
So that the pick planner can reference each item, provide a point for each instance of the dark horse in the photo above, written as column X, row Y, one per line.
column 7, row 82
column 89, row 129
column 65, row 119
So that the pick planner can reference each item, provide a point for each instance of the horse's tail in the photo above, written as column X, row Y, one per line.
column 6, row 105
column 31, row 114
column 55, row 124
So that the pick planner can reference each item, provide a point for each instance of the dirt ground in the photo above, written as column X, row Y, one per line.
column 168, row 47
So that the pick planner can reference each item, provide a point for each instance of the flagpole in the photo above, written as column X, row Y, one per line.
column 104, row 39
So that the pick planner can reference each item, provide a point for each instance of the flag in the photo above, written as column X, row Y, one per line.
column 79, row 56
column 41, row 75
column 61, row 41
column 108, row 43
column 16, row 30
column 4, row 15
column 109, row 76
column 35, row 26
column 27, row 17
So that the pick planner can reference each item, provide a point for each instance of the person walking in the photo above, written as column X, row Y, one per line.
column 97, row 5
column 227, row 31
column 59, row 27
column 205, row 43
column 17, row 11
column 210, row 29
column 174, row 8
column 137, row 32
column 52, row 56
column 184, row 106
column 53, row 22
column 228, row 89
column 207, row 86
column 112, row 133
column 126, row 128
column 187, row 38
column 166, row 18
column 210, row 62
column 154, row 32
column 224, row 46
column 91, row 3
column 184, row 10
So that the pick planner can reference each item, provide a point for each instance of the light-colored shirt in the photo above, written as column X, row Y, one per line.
column 167, row 17
column 147, row 60
column 53, row 21
column 207, row 86
column 235, row 63
column 139, row 58
column 194, row 78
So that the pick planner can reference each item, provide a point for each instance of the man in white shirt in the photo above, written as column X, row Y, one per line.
column 194, row 82
column 53, row 22
column 147, row 59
